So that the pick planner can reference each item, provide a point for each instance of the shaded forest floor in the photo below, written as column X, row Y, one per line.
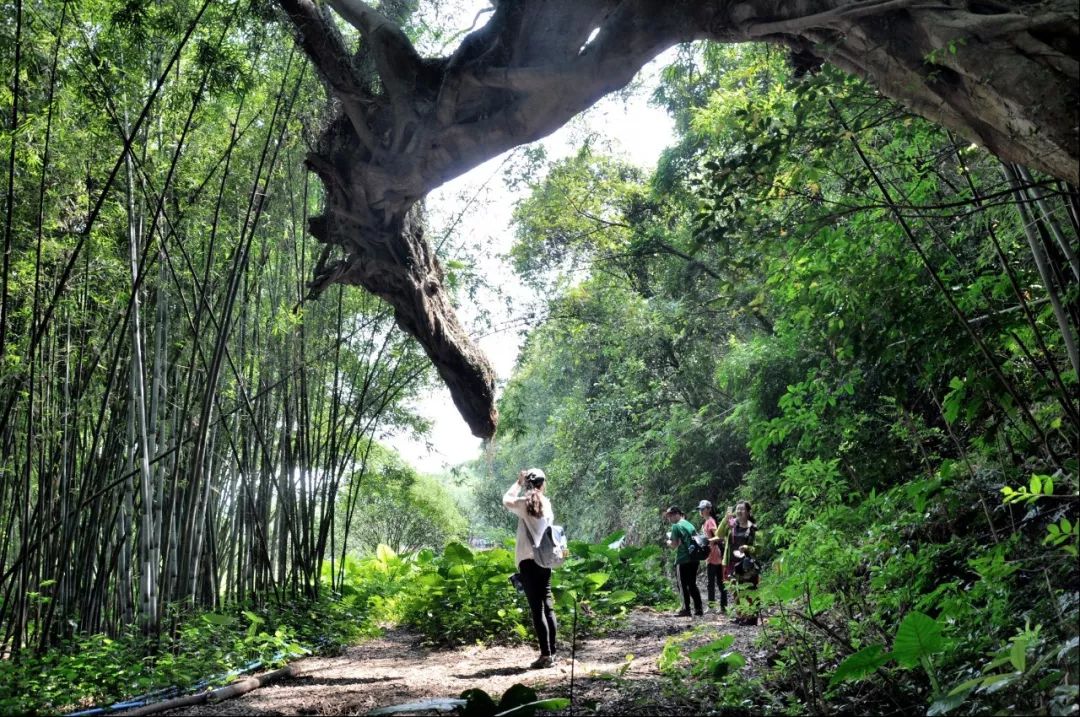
column 397, row 668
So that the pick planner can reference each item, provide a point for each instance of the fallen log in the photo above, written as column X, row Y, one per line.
column 244, row 686
column 235, row 689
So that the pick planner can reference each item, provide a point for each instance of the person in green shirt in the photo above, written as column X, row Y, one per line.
column 682, row 530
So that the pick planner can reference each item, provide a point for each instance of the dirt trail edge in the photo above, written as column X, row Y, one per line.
column 397, row 668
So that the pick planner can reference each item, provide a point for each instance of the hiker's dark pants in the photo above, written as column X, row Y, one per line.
column 537, row 582
column 687, row 573
column 714, row 579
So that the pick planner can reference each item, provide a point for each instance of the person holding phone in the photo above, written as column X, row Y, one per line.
column 714, row 564
column 741, row 565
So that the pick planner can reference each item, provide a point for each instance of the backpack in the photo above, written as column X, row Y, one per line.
column 551, row 551
column 698, row 548
column 746, row 569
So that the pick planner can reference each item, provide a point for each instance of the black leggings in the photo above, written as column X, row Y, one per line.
column 537, row 582
column 714, row 578
column 687, row 573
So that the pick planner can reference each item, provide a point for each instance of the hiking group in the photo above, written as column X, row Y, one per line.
column 727, row 548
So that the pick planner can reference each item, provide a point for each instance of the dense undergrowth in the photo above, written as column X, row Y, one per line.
column 203, row 648
column 903, row 603
column 836, row 311
column 932, row 593
column 467, row 597
column 455, row 597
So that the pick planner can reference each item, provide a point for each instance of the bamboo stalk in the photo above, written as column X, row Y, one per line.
column 1041, row 264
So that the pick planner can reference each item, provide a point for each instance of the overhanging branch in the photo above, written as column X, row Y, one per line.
column 1001, row 75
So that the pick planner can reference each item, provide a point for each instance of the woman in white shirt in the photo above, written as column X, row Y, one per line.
column 534, row 513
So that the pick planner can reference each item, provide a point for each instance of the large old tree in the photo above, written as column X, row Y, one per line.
column 1004, row 75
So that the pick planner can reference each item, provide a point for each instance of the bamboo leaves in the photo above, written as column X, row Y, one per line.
column 171, row 432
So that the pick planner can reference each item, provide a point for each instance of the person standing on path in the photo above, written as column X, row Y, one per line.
column 534, row 513
column 682, row 532
column 714, row 567
column 742, row 548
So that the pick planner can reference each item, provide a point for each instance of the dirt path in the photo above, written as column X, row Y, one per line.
column 396, row 668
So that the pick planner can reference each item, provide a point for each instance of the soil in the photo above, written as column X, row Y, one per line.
column 615, row 673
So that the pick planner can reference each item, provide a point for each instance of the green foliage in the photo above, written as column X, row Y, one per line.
column 716, row 659
column 464, row 596
column 375, row 586
column 606, row 581
column 861, row 664
column 918, row 639
column 1063, row 534
column 206, row 646
column 689, row 663
column 1027, row 661
column 874, row 369
column 518, row 700
column 1040, row 485
column 397, row 507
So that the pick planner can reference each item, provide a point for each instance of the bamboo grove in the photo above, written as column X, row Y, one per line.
column 177, row 426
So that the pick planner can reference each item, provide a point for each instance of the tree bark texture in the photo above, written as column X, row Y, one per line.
column 1003, row 75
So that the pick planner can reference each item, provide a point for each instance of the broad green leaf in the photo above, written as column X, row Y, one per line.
column 384, row 553
column 720, row 644
column 860, row 664
column 789, row 589
column 944, row 705
column 617, row 535
column 918, row 636
column 966, row 686
column 994, row 683
column 734, row 660
column 1018, row 654
column 566, row 598
column 620, row 596
column 459, row 570
column 456, row 552
column 597, row 579
column 431, row 579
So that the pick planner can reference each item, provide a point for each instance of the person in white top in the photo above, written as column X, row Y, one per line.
column 526, row 499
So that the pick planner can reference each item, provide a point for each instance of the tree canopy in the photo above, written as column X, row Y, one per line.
column 1001, row 75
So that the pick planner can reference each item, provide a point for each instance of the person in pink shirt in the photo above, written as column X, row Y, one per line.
column 714, row 564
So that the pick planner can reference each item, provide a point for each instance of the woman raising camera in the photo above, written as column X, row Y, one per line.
column 534, row 513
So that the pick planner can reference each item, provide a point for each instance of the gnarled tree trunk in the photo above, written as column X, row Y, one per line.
column 1002, row 75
